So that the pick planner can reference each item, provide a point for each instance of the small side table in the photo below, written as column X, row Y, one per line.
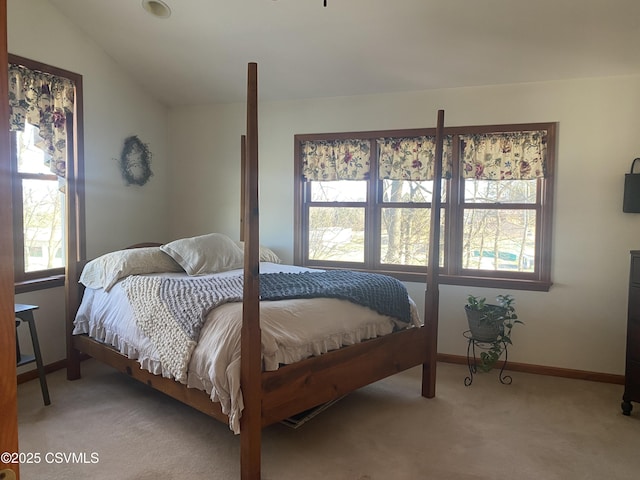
column 472, row 362
column 25, row 313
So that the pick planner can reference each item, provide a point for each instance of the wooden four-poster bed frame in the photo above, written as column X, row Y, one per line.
column 272, row 396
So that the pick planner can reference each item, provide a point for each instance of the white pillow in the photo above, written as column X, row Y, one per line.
column 266, row 254
column 106, row 270
column 210, row 253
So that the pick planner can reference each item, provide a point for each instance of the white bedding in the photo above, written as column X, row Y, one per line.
column 292, row 330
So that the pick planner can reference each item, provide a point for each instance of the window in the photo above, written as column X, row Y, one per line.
column 38, row 208
column 364, row 202
column 45, row 122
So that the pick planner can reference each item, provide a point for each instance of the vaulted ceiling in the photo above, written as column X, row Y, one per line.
column 352, row 47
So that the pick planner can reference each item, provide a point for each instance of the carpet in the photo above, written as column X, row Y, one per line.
column 538, row 428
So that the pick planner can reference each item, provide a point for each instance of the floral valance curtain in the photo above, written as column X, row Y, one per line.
column 412, row 158
column 325, row 160
column 43, row 100
column 505, row 156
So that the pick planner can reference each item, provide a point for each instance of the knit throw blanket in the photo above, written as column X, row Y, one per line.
column 381, row 293
column 171, row 312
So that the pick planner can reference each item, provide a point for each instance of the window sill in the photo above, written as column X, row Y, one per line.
column 485, row 282
column 506, row 283
column 39, row 284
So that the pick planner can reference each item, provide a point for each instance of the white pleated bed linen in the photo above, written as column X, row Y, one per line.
column 292, row 330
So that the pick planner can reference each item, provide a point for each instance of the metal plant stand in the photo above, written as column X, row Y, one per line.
column 472, row 361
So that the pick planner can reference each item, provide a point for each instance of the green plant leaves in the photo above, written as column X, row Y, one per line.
column 504, row 313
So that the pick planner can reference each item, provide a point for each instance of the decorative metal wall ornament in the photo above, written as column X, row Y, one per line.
column 135, row 161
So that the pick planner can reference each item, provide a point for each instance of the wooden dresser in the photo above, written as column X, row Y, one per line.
column 632, row 371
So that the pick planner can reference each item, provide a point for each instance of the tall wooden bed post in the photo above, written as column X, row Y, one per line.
column 75, row 254
column 432, row 292
column 271, row 396
column 251, row 347
column 73, row 292
column 243, row 177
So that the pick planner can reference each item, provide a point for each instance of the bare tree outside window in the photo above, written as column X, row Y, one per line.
column 499, row 225
column 42, row 205
column 46, row 126
column 497, row 206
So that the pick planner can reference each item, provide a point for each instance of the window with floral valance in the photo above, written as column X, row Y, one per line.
column 504, row 156
column 326, row 160
column 497, row 203
column 411, row 158
column 46, row 124
column 42, row 100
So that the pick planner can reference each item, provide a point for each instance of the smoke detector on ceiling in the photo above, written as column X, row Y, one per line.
column 157, row 8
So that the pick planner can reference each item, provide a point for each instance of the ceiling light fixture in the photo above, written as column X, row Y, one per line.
column 157, row 8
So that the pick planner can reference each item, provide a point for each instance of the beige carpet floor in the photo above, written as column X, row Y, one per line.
column 541, row 428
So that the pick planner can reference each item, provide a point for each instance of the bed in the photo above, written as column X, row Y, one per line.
column 267, row 385
column 202, row 316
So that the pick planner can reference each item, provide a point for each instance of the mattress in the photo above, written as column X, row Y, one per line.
column 292, row 330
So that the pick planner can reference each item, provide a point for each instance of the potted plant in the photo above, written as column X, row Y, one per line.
column 491, row 324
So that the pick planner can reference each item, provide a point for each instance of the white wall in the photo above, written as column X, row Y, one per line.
column 114, row 108
column 580, row 323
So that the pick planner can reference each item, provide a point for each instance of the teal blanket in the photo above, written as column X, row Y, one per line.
column 381, row 293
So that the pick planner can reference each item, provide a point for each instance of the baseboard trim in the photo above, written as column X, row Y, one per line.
column 33, row 374
column 49, row 368
column 442, row 357
column 543, row 370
